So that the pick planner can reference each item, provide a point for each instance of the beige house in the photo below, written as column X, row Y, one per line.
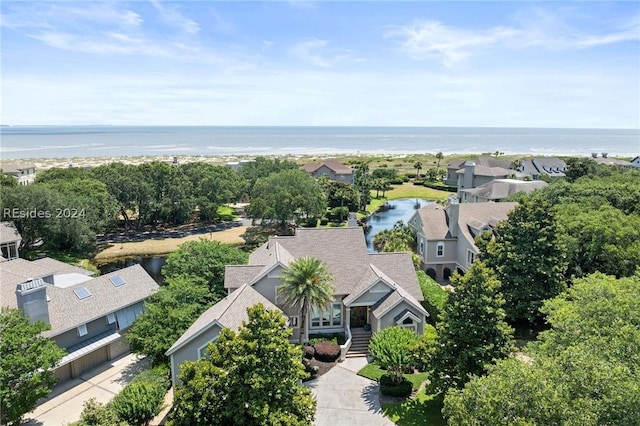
column 445, row 235
column 333, row 169
column 25, row 174
column 88, row 316
column 499, row 189
column 10, row 240
column 379, row 290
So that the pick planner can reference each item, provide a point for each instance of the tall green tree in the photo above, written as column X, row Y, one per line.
column 281, row 196
column 578, row 167
column 584, row 370
column 26, row 364
column 439, row 156
column 306, row 285
column 262, row 167
column 203, row 261
column 362, row 180
column 167, row 314
column 418, row 166
column 251, row 377
column 527, row 257
column 472, row 332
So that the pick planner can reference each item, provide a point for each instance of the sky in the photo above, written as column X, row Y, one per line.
column 321, row 63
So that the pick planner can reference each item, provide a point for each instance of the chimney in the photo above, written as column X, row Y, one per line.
column 32, row 300
column 453, row 214
column 469, row 170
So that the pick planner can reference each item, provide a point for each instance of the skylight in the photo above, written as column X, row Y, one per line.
column 82, row 292
column 117, row 280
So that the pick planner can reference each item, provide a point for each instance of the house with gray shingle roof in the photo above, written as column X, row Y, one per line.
column 331, row 168
column 499, row 189
column 445, row 236
column 379, row 289
column 88, row 315
column 24, row 174
column 10, row 240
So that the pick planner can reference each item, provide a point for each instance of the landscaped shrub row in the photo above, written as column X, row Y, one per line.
column 326, row 351
column 387, row 387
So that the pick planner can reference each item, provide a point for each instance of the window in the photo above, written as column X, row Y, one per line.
column 82, row 330
column 277, row 298
column 294, row 322
column 440, row 249
column 410, row 324
column 202, row 350
column 276, row 273
column 471, row 256
column 331, row 316
column 421, row 247
column 111, row 318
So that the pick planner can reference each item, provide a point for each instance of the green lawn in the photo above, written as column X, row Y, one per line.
column 227, row 213
column 423, row 409
column 407, row 190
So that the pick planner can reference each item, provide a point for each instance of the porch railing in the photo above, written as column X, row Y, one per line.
column 347, row 345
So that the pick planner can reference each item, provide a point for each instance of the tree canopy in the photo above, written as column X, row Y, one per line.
column 585, row 370
column 26, row 364
column 472, row 332
column 249, row 377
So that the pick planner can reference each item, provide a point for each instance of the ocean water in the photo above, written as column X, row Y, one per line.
column 100, row 141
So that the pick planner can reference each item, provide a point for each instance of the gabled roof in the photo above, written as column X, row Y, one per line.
column 66, row 310
column 393, row 299
column 9, row 233
column 230, row 312
column 488, row 171
column 337, row 167
column 15, row 168
column 501, row 188
column 554, row 167
column 371, row 277
column 434, row 221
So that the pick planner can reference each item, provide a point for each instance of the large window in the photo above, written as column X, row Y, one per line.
column 471, row 256
column 440, row 249
column 331, row 316
column 202, row 350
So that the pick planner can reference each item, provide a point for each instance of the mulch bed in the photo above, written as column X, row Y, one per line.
column 323, row 367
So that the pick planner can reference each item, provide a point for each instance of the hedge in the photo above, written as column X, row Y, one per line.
column 387, row 387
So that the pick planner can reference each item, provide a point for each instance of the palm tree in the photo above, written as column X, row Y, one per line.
column 306, row 284
column 418, row 167
column 439, row 156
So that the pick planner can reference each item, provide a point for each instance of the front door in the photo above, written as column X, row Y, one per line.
column 359, row 316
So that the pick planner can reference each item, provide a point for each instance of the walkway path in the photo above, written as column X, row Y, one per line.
column 344, row 398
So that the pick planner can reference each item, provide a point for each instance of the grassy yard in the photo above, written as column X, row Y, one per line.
column 422, row 409
column 407, row 190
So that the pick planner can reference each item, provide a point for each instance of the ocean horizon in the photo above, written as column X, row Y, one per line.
column 89, row 141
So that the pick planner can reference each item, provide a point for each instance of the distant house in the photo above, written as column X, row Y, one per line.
column 499, row 189
column 636, row 162
column 485, row 166
column 445, row 235
column 378, row 289
column 608, row 161
column 10, row 240
column 333, row 169
column 238, row 165
column 88, row 316
column 25, row 174
column 539, row 166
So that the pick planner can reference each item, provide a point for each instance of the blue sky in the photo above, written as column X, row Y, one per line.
column 510, row 64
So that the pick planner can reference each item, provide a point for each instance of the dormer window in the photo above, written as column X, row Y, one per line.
column 440, row 249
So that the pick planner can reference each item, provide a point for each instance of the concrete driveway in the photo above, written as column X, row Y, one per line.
column 344, row 398
column 64, row 403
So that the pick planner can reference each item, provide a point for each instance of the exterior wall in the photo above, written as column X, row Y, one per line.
column 94, row 328
column 388, row 319
column 267, row 287
column 452, row 177
column 371, row 296
column 636, row 162
column 24, row 176
column 189, row 352
column 461, row 254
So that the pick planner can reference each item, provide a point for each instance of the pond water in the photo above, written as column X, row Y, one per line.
column 153, row 265
column 401, row 209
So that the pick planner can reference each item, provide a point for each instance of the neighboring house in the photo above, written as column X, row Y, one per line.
column 607, row 161
column 378, row 289
column 88, row 316
column 236, row 166
column 499, row 189
column 445, row 235
column 539, row 166
column 333, row 169
column 10, row 240
column 23, row 173
column 485, row 166
column 636, row 162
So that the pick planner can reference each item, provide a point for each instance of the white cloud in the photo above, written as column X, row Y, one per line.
column 422, row 40
column 318, row 52
column 172, row 15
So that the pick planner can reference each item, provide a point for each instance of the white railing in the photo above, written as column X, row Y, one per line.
column 347, row 345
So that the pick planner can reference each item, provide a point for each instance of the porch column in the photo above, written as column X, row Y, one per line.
column 347, row 320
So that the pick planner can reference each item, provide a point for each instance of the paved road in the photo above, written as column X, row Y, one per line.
column 344, row 398
column 64, row 403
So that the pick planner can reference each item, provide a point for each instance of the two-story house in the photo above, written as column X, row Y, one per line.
column 25, row 174
column 379, row 290
column 331, row 168
column 88, row 316
column 445, row 235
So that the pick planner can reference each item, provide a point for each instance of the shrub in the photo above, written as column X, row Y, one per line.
column 160, row 375
column 388, row 387
column 323, row 221
column 327, row 351
column 420, row 351
column 309, row 352
column 389, row 348
column 95, row 413
column 337, row 338
column 139, row 402
column 434, row 295
column 338, row 212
